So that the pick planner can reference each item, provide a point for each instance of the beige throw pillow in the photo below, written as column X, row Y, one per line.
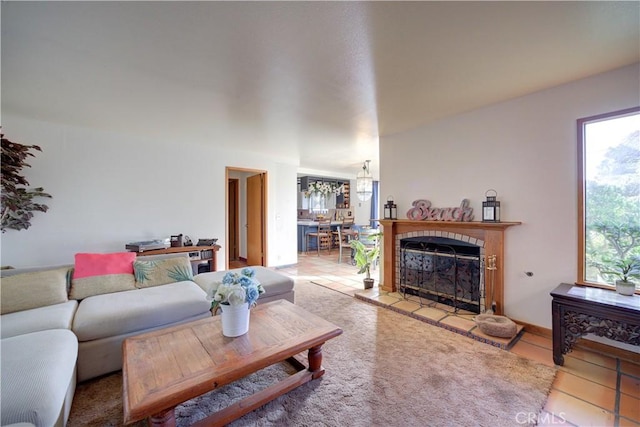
column 34, row 289
column 161, row 272
column 98, row 285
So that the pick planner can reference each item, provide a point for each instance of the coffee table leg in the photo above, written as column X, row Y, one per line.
column 315, row 361
column 163, row 419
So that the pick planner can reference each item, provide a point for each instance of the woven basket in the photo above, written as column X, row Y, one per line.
column 496, row 326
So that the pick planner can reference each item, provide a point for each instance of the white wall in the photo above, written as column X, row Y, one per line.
column 526, row 149
column 111, row 189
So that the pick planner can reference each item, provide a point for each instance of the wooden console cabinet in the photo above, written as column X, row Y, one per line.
column 579, row 310
column 201, row 254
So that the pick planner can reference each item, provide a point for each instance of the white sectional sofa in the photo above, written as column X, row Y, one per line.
column 56, row 341
column 38, row 377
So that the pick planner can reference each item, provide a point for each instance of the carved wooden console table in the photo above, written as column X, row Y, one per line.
column 579, row 310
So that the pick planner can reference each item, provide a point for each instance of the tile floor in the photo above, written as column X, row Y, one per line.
column 591, row 389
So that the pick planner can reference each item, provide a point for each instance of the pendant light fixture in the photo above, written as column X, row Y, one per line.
column 364, row 183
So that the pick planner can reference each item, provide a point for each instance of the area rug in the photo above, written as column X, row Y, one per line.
column 385, row 369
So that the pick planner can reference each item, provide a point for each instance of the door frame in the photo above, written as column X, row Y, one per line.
column 264, row 208
column 233, row 218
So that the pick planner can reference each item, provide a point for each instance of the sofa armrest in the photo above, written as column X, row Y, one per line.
column 57, row 316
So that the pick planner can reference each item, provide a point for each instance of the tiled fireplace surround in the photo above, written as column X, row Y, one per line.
column 488, row 236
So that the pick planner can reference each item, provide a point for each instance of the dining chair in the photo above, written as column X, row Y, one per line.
column 347, row 231
column 344, row 245
column 323, row 236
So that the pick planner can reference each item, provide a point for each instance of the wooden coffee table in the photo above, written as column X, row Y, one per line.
column 164, row 368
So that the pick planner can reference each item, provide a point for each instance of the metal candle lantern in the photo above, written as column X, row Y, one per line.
column 491, row 207
column 390, row 209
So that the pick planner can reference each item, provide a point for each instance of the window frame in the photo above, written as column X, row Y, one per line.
column 582, row 182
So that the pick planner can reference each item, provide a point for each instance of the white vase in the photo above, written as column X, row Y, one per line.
column 625, row 288
column 235, row 319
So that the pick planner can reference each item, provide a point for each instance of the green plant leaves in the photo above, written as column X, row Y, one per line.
column 364, row 256
column 143, row 269
column 180, row 273
column 16, row 202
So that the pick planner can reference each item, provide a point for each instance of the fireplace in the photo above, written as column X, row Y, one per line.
column 443, row 270
column 463, row 246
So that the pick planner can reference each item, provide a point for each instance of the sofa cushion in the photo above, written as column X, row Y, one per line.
column 57, row 316
column 35, row 289
column 274, row 283
column 96, row 274
column 37, row 371
column 150, row 273
column 119, row 313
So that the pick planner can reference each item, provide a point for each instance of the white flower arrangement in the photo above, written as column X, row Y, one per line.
column 324, row 188
column 237, row 289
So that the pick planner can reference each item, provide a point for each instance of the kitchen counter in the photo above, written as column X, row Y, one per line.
column 312, row 223
column 307, row 225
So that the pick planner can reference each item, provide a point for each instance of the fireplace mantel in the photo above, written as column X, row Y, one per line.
column 490, row 234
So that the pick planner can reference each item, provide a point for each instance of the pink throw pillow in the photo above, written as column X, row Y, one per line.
column 96, row 274
column 89, row 265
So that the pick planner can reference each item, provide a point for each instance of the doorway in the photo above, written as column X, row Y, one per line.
column 246, row 216
column 233, row 218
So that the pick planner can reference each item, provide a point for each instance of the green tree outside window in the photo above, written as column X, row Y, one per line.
column 610, row 211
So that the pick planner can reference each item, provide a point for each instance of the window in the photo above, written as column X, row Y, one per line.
column 609, row 197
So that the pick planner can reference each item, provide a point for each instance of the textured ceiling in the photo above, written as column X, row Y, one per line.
column 311, row 82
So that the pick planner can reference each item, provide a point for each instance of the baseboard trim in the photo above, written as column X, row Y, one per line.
column 594, row 346
column 609, row 350
column 536, row 330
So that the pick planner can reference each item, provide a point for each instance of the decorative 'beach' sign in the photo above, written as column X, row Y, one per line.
column 422, row 211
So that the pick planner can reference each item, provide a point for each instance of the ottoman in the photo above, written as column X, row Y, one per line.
column 276, row 285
